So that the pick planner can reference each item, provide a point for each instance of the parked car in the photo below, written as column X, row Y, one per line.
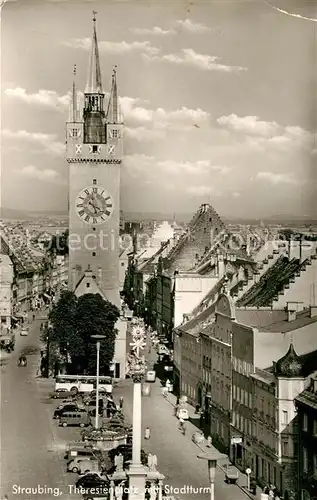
column 150, row 376
column 78, row 448
column 66, row 401
column 86, row 466
column 24, row 331
column 61, row 393
column 92, row 480
column 68, row 407
column 74, row 418
column 100, row 495
column 73, row 465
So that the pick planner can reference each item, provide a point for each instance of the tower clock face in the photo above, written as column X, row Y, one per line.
column 94, row 205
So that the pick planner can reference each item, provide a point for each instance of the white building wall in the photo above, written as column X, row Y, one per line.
column 189, row 292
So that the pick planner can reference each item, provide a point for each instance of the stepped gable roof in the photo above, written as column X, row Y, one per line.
column 201, row 212
column 272, row 282
column 289, row 365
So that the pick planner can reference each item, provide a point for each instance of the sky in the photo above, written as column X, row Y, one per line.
column 218, row 97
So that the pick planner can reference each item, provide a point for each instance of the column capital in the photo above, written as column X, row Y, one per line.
column 137, row 378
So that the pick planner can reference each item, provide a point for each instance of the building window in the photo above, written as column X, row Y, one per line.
column 234, row 392
column 250, row 400
column 305, row 422
column 305, row 460
column 122, row 264
column 94, row 254
column 94, row 229
column 94, row 181
column 87, row 285
column 285, row 448
column 95, row 149
column 284, row 417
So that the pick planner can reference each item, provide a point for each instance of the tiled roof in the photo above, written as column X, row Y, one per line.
column 307, row 398
column 24, row 256
column 271, row 282
column 261, row 318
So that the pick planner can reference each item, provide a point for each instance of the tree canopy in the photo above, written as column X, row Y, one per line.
column 74, row 320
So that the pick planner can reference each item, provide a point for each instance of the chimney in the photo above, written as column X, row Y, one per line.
column 220, row 265
column 291, row 308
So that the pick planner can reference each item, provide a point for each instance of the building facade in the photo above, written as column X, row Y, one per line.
column 306, row 404
column 6, row 295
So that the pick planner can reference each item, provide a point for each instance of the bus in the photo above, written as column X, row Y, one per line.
column 83, row 383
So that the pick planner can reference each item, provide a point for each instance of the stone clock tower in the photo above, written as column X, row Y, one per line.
column 94, row 145
column 94, row 153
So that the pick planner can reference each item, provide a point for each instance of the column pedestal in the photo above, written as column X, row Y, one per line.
column 136, row 475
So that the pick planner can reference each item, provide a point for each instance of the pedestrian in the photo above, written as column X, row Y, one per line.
column 201, row 419
column 147, row 433
column 33, row 317
column 121, row 403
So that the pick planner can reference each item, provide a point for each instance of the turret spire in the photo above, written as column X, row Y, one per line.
column 113, row 111
column 94, row 84
column 73, row 108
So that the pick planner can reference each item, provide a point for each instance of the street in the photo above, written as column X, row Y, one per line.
column 177, row 454
column 32, row 446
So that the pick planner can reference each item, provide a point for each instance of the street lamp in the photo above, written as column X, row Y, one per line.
column 212, row 458
column 98, row 338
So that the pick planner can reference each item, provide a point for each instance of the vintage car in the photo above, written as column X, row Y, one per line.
column 7, row 343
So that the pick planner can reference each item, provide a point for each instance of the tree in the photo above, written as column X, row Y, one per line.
column 74, row 320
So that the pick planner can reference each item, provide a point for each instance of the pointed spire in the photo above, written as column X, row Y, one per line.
column 113, row 111
column 73, row 108
column 94, row 84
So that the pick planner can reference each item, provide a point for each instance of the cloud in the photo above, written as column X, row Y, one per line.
column 201, row 190
column 260, row 133
column 42, row 174
column 122, row 47
column 140, row 163
column 47, row 141
column 188, row 57
column 156, row 30
column 143, row 134
column 192, row 27
column 275, row 178
column 45, row 98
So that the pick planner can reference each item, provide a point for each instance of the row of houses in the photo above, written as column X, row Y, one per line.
column 245, row 368
column 240, row 312
column 28, row 275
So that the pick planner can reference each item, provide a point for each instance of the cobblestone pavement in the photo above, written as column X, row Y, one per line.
column 32, row 447
column 177, row 454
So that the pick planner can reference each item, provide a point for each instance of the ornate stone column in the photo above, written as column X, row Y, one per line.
column 136, row 368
